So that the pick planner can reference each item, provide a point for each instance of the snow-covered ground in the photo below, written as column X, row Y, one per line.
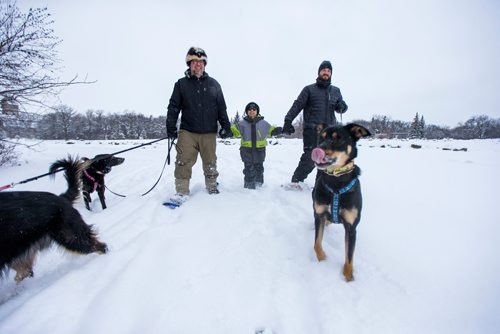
column 243, row 262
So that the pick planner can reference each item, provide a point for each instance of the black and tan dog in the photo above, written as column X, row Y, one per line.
column 31, row 221
column 337, row 192
column 93, row 176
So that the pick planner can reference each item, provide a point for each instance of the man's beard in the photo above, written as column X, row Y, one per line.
column 325, row 77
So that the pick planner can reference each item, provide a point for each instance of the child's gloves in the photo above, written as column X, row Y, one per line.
column 277, row 131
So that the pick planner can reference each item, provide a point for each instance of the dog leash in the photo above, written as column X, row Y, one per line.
column 167, row 161
column 111, row 191
column 136, row 147
column 11, row 185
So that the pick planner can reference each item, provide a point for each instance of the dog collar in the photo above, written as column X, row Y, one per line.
column 341, row 171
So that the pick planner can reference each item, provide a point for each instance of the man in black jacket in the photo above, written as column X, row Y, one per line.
column 199, row 99
column 319, row 101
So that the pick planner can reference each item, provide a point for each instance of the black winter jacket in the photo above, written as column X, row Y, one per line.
column 319, row 102
column 201, row 102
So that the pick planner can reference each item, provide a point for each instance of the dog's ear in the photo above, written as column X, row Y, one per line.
column 101, row 157
column 357, row 131
column 115, row 161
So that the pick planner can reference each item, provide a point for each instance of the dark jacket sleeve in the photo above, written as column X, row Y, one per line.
column 297, row 106
column 174, row 108
column 341, row 107
column 222, row 111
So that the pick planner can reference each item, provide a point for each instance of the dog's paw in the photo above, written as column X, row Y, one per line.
column 320, row 254
column 348, row 273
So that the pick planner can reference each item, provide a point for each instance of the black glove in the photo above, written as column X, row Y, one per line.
column 225, row 133
column 341, row 107
column 288, row 128
column 172, row 133
column 277, row 131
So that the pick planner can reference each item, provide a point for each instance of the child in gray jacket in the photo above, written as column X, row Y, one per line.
column 253, row 130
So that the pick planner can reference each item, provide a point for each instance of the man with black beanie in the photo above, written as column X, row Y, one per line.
column 319, row 101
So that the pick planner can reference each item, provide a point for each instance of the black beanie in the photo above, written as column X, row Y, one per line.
column 252, row 105
column 325, row 64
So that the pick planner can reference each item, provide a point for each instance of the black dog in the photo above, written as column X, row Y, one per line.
column 31, row 221
column 337, row 192
column 93, row 176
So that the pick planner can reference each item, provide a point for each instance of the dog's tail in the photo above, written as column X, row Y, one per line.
column 72, row 173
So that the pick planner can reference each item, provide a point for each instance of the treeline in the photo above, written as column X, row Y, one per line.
column 65, row 123
column 476, row 127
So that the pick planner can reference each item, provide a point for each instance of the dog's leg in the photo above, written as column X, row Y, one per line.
column 23, row 266
column 350, row 244
column 75, row 235
column 350, row 218
column 100, row 192
column 87, row 199
column 319, row 225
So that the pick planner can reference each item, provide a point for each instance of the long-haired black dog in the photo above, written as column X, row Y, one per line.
column 337, row 192
column 93, row 176
column 31, row 221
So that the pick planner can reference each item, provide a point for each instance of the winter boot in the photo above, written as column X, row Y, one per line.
column 182, row 186
column 249, row 185
column 211, row 185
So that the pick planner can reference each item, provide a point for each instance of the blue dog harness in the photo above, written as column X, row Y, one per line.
column 336, row 199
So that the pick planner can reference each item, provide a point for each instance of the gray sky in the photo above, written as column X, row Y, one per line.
column 439, row 58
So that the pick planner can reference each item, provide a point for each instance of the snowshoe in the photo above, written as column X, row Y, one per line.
column 296, row 186
column 176, row 201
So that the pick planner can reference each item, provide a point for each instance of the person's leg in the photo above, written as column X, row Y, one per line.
column 187, row 153
column 208, row 155
column 306, row 165
column 259, row 158
column 248, row 170
column 259, row 173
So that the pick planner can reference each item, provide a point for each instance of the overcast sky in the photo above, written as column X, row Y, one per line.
column 439, row 58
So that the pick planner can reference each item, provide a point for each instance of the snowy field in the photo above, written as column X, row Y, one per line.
column 243, row 261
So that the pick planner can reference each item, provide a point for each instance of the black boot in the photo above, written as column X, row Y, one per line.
column 249, row 185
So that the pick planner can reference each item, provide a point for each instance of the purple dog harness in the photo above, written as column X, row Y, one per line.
column 91, row 178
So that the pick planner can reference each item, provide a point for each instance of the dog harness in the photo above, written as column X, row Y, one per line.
column 90, row 178
column 336, row 199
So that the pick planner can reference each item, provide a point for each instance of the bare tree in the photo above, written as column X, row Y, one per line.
column 28, row 61
column 28, row 56
column 65, row 115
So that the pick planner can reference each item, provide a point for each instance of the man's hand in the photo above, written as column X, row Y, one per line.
column 172, row 133
column 341, row 107
column 288, row 128
column 225, row 133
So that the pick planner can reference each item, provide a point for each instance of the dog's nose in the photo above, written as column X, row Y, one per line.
column 318, row 155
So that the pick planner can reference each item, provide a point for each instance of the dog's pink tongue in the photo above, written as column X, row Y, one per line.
column 317, row 155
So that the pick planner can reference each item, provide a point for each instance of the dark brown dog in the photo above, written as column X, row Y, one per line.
column 337, row 191
column 31, row 221
column 93, row 176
